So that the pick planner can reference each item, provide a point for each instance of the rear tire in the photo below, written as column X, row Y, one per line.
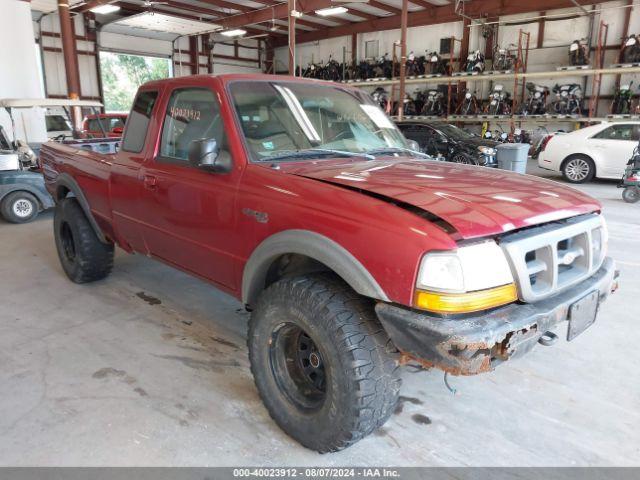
column 84, row 258
column 323, row 365
column 578, row 169
column 19, row 207
column 631, row 194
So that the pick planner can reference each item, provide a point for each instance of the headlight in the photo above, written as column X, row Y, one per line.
column 469, row 279
column 487, row 150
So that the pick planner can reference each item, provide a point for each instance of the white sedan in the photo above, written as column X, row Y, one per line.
column 600, row 151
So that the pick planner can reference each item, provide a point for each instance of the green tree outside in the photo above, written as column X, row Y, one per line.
column 122, row 74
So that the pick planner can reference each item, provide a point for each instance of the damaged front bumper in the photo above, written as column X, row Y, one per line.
column 474, row 344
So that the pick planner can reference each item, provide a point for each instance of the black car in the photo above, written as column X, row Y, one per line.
column 447, row 141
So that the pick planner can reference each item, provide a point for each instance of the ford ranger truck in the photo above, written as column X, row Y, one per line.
column 353, row 253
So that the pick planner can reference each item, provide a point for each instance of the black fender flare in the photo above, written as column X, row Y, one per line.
column 67, row 181
column 315, row 246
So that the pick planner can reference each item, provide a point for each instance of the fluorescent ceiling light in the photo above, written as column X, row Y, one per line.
column 234, row 33
column 105, row 9
column 325, row 12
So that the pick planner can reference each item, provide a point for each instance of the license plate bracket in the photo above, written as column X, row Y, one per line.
column 582, row 314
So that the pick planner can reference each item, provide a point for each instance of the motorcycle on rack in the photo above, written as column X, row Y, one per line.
column 419, row 99
column 411, row 68
column 409, row 106
column 499, row 135
column 383, row 68
column 504, row 59
column 568, row 99
column 332, row 71
column 310, row 71
column 474, row 63
column 578, row 54
column 499, row 101
column 631, row 50
column 381, row 97
column 537, row 100
column 436, row 65
column 434, row 104
column 621, row 104
column 520, row 136
column 469, row 104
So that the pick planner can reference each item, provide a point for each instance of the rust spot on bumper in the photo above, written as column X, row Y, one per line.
column 473, row 358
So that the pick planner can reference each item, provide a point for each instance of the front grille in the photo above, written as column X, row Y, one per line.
column 546, row 260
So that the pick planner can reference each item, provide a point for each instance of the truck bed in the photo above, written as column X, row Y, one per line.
column 84, row 162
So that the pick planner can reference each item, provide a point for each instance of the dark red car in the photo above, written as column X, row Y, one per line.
column 104, row 125
column 353, row 253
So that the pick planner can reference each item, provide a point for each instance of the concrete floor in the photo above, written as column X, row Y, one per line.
column 150, row 368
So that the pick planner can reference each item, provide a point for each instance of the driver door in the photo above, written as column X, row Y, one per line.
column 188, row 214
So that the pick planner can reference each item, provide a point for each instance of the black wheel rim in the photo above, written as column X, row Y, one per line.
column 68, row 245
column 298, row 367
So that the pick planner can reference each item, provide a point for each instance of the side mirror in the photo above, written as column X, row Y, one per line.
column 413, row 145
column 118, row 130
column 204, row 154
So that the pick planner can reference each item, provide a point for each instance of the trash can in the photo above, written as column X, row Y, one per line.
column 513, row 156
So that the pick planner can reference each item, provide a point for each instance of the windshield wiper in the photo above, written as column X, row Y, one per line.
column 392, row 150
column 314, row 152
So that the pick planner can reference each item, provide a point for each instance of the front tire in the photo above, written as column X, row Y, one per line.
column 323, row 365
column 578, row 169
column 19, row 207
column 84, row 258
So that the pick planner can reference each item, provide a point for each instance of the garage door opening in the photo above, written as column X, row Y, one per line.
column 123, row 73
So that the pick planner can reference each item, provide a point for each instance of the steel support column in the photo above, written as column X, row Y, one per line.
column 70, row 55
column 194, row 55
column 354, row 48
column 541, row 25
column 404, row 20
column 292, row 36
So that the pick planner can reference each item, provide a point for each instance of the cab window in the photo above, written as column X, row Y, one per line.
column 627, row 132
column 138, row 123
column 192, row 114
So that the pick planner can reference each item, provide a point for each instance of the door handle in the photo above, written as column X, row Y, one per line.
column 150, row 182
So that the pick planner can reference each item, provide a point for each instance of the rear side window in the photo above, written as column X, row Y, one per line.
column 192, row 114
column 139, row 122
column 620, row 132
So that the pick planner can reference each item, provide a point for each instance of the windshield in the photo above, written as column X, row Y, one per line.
column 454, row 132
column 57, row 123
column 280, row 118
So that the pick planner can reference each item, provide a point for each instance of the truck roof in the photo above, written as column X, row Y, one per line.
column 229, row 77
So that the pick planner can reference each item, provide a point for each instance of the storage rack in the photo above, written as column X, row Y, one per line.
column 518, row 76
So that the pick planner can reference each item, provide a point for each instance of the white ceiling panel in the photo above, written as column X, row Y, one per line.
column 159, row 22
column 353, row 17
column 366, row 8
column 49, row 5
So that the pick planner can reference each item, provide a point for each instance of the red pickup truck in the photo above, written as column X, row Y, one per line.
column 354, row 253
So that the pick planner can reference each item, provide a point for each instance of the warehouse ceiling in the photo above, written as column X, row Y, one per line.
column 269, row 17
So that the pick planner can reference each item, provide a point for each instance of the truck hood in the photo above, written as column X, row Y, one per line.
column 475, row 201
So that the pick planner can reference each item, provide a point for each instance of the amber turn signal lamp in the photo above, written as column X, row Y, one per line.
column 465, row 302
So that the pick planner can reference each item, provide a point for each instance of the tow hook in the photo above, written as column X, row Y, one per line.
column 614, row 285
column 547, row 339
